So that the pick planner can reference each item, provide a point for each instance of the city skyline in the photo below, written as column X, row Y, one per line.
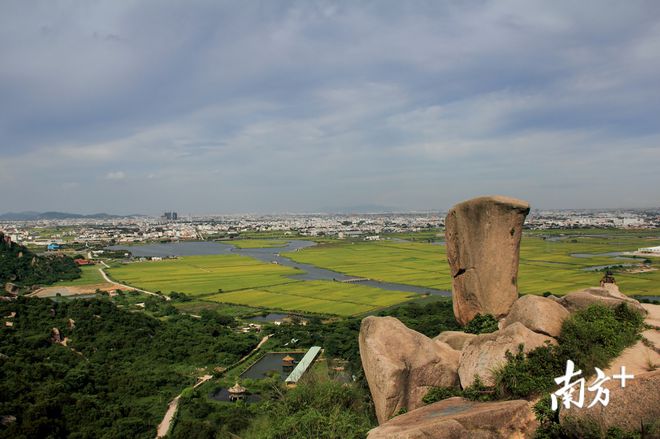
column 299, row 107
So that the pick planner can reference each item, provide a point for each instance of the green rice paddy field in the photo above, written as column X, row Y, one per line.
column 202, row 275
column 325, row 297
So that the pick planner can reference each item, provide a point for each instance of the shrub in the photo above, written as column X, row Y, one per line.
column 481, row 324
column 476, row 392
column 590, row 338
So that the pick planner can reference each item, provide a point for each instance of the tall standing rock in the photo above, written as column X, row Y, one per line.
column 483, row 246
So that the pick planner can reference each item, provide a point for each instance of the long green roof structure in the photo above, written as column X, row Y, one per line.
column 303, row 365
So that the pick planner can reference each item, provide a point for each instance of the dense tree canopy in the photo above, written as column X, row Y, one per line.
column 115, row 375
column 21, row 266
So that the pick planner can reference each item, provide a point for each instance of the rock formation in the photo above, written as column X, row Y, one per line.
column 628, row 408
column 456, row 339
column 483, row 245
column 608, row 294
column 401, row 365
column 458, row 418
column 537, row 313
column 486, row 352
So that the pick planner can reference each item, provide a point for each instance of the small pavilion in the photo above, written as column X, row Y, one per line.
column 288, row 363
column 236, row 392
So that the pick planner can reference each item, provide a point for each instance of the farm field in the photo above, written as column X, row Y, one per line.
column 256, row 243
column 90, row 275
column 324, row 297
column 410, row 263
column 201, row 275
column 545, row 265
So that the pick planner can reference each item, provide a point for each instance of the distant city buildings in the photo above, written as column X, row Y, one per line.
column 171, row 216
column 168, row 227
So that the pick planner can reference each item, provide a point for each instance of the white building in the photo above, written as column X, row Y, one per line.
column 653, row 250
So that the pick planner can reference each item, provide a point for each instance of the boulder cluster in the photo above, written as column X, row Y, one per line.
column 401, row 365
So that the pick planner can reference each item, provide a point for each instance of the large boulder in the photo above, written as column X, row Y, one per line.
column 487, row 352
column 629, row 407
column 401, row 365
column 538, row 314
column 456, row 339
column 483, row 246
column 608, row 295
column 458, row 418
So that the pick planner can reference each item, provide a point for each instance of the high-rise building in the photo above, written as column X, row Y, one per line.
column 171, row 216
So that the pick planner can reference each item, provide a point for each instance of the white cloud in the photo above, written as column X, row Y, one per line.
column 116, row 175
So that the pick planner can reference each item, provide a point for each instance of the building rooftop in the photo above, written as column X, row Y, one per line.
column 303, row 365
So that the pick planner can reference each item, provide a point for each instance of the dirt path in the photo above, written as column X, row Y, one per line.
column 173, row 406
column 107, row 279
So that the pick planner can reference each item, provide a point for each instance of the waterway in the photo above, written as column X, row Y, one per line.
column 269, row 255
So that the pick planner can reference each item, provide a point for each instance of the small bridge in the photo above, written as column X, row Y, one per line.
column 353, row 280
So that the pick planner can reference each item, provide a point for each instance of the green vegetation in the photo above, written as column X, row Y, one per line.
column 202, row 275
column 317, row 408
column 22, row 267
column 257, row 243
column 324, row 297
column 590, row 338
column 481, row 324
column 476, row 392
column 89, row 275
column 116, row 374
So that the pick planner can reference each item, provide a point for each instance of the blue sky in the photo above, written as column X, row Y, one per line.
column 285, row 106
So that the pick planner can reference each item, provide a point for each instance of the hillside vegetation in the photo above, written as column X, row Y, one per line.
column 21, row 266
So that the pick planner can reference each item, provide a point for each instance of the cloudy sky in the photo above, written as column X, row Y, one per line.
column 274, row 106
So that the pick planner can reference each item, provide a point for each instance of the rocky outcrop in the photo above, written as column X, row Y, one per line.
column 643, row 356
column 458, row 418
column 488, row 351
column 538, row 314
column 608, row 295
column 401, row 365
column 629, row 407
column 456, row 339
column 483, row 245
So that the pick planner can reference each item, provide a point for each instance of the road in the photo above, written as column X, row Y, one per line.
column 107, row 279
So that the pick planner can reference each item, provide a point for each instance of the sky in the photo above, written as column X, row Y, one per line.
column 274, row 106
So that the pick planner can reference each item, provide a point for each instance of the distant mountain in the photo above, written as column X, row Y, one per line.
column 363, row 208
column 32, row 216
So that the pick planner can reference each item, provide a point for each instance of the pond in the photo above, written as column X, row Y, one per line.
column 223, row 395
column 271, row 364
column 271, row 317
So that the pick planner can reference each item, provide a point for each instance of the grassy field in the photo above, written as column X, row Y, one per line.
column 418, row 264
column 201, row 275
column 256, row 243
column 545, row 265
column 324, row 297
column 90, row 275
